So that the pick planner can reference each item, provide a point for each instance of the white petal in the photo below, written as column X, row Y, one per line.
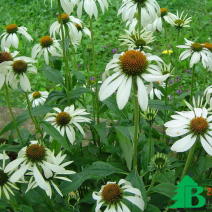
column 207, row 147
column 123, row 92
column 184, row 143
column 142, row 94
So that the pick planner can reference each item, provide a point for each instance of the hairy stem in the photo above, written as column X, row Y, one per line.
column 96, row 109
column 136, row 127
column 189, row 159
column 192, row 82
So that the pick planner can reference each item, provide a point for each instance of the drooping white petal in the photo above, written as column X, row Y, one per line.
column 184, row 144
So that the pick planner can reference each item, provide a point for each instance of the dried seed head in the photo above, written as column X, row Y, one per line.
column 133, row 62
column 35, row 152
column 19, row 66
column 11, row 28
column 46, row 41
column 199, row 125
column 111, row 193
column 63, row 118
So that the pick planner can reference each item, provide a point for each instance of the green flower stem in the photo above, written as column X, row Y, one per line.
column 67, row 71
column 7, row 98
column 152, row 182
column 139, row 17
column 96, row 109
column 189, row 159
column 151, row 143
column 192, row 82
column 34, row 120
column 166, row 103
column 68, row 83
column 136, row 127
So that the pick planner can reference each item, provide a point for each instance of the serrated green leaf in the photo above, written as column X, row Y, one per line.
column 167, row 189
column 125, row 143
column 97, row 170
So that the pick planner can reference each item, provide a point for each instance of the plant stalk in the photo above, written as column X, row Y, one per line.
column 136, row 127
column 65, row 58
column 189, row 159
column 192, row 82
column 139, row 17
column 96, row 109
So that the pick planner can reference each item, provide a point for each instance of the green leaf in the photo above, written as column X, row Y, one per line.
column 41, row 110
column 25, row 208
column 112, row 106
column 7, row 147
column 50, row 130
column 77, row 92
column 125, row 144
column 53, row 75
column 167, row 189
column 102, row 131
column 97, row 170
column 166, row 177
column 152, row 208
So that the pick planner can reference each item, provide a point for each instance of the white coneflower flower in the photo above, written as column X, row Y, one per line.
column 59, row 175
column 35, row 158
column 17, row 72
column 47, row 46
column 149, row 9
column 209, row 55
column 194, row 126
column 65, row 121
column 10, row 38
column 158, row 22
column 137, row 40
column 90, row 7
column 6, row 186
column 5, row 59
column 197, row 52
column 179, row 20
column 74, row 25
column 155, row 91
column 112, row 197
column 131, row 66
column 81, row 30
column 38, row 98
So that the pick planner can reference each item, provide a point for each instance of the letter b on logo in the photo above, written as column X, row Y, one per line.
column 189, row 194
